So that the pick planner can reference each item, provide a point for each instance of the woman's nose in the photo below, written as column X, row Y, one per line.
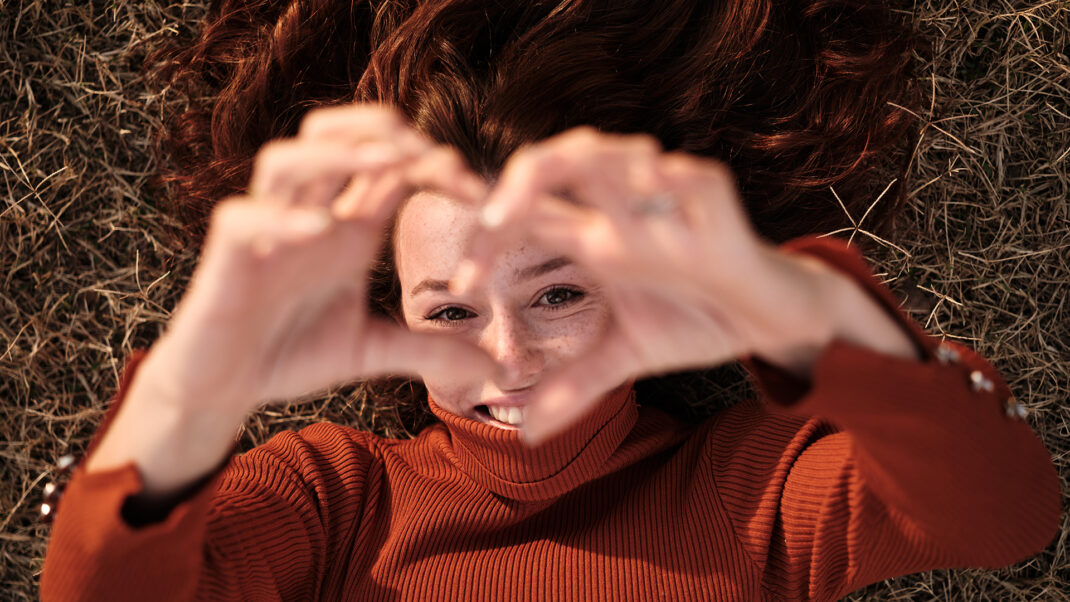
column 509, row 341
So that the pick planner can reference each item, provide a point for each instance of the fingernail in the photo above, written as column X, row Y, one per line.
column 462, row 281
column 308, row 222
column 493, row 215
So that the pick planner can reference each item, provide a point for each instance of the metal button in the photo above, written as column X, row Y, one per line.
column 65, row 463
column 52, row 492
column 1014, row 409
column 979, row 382
column 48, row 505
column 947, row 354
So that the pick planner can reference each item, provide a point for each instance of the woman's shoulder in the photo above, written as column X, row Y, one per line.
column 317, row 452
column 754, row 434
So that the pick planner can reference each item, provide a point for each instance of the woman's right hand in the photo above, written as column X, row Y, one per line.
column 277, row 306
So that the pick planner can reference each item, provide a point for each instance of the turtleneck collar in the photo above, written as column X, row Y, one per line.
column 498, row 460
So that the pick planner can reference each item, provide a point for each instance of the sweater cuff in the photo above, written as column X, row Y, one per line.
column 100, row 525
column 94, row 536
column 785, row 389
column 931, row 437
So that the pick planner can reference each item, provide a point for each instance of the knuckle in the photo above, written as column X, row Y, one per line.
column 526, row 159
column 322, row 119
column 584, row 136
column 718, row 169
column 229, row 215
column 383, row 114
column 681, row 163
column 535, row 165
column 442, row 153
column 318, row 120
column 645, row 143
column 270, row 153
column 384, row 111
column 450, row 157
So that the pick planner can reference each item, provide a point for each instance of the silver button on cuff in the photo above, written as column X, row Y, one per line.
column 947, row 355
column 65, row 463
column 980, row 382
column 1015, row 410
column 52, row 491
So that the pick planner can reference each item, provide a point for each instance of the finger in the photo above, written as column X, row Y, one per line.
column 590, row 164
column 710, row 194
column 646, row 251
column 583, row 234
column 387, row 349
column 594, row 169
column 481, row 252
column 283, row 168
column 266, row 229
column 349, row 202
column 332, row 341
column 287, row 253
column 241, row 223
column 441, row 169
column 574, row 390
column 362, row 122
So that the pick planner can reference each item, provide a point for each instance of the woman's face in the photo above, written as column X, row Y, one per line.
column 536, row 311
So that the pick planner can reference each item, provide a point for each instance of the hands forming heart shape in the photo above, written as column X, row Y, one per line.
column 277, row 307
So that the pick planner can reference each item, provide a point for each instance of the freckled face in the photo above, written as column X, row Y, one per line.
column 536, row 311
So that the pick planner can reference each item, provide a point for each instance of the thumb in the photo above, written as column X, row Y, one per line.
column 390, row 350
column 571, row 392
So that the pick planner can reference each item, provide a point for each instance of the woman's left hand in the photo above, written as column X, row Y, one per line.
column 690, row 282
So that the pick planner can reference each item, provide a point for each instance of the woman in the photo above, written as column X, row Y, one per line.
column 533, row 272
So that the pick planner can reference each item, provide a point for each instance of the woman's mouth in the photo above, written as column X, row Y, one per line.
column 501, row 416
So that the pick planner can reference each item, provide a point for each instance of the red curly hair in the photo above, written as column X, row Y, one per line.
column 796, row 97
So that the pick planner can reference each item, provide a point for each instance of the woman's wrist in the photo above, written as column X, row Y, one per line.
column 861, row 319
column 172, row 441
column 843, row 310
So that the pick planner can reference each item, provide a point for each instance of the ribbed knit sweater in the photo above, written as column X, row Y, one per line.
column 876, row 467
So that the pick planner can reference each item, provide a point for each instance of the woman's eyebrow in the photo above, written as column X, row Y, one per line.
column 521, row 275
column 543, row 268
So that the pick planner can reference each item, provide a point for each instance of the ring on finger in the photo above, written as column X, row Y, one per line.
column 656, row 205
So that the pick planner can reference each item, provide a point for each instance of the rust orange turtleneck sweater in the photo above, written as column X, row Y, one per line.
column 877, row 467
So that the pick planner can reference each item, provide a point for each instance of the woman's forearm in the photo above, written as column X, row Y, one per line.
column 172, row 442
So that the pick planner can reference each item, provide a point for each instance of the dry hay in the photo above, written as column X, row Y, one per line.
column 86, row 276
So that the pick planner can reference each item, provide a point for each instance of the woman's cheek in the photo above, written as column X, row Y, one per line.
column 452, row 395
column 573, row 335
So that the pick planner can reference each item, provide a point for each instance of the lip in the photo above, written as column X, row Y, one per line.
column 508, row 401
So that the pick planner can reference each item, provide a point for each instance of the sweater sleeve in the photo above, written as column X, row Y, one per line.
column 881, row 466
column 255, row 529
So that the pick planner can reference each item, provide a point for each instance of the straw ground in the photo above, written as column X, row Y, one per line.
column 87, row 274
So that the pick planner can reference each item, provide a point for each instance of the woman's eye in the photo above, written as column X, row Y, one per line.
column 450, row 314
column 560, row 297
column 555, row 298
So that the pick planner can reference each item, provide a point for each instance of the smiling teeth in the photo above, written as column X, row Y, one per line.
column 507, row 415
